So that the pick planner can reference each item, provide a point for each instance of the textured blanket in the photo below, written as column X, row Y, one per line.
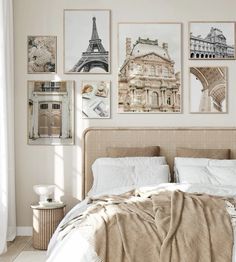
column 163, row 227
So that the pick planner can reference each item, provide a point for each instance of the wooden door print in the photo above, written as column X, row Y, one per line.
column 50, row 119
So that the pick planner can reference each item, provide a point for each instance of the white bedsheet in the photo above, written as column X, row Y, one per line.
column 74, row 248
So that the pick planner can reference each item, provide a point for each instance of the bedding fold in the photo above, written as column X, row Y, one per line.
column 165, row 226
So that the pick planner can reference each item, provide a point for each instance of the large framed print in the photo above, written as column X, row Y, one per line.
column 212, row 40
column 87, row 41
column 150, row 68
column 42, row 54
column 96, row 99
column 50, row 112
column 208, row 89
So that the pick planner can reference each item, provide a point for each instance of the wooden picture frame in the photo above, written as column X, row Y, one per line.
column 50, row 112
column 208, row 90
column 150, row 67
column 96, row 99
column 212, row 40
column 87, row 41
column 42, row 54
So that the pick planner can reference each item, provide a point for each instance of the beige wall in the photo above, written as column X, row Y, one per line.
column 61, row 165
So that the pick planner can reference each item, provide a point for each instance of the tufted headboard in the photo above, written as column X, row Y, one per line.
column 96, row 140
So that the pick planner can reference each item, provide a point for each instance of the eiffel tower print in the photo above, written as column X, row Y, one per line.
column 94, row 56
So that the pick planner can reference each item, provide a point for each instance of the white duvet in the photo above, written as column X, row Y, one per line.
column 74, row 248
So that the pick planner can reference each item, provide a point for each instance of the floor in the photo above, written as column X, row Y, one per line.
column 16, row 247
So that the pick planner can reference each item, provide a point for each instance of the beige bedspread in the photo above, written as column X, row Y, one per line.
column 169, row 226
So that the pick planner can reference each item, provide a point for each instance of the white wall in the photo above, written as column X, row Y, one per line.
column 61, row 165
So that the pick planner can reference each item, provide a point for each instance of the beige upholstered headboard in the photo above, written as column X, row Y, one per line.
column 96, row 140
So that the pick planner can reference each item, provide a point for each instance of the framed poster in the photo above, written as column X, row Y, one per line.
column 212, row 40
column 50, row 112
column 87, row 41
column 96, row 99
column 149, row 77
column 208, row 90
column 42, row 54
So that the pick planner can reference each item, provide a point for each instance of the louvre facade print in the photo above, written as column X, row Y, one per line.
column 212, row 40
column 150, row 69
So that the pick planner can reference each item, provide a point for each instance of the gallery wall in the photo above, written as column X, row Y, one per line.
column 61, row 165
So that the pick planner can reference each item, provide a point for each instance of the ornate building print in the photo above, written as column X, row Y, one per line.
column 208, row 89
column 217, row 43
column 90, row 53
column 50, row 112
column 148, row 80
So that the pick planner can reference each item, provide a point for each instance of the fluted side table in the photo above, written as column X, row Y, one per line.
column 45, row 222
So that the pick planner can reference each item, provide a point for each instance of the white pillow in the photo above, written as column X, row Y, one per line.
column 223, row 175
column 190, row 162
column 129, row 161
column 206, row 171
column 152, row 175
column 139, row 164
column 196, row 175
column 109, row 177
column 223, row 163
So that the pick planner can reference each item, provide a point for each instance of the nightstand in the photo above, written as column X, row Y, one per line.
column 45, row 221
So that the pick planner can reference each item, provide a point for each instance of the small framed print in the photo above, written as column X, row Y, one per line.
column 208, row 90
column 87, row 41
column 150, row 66
column 96, row 99
column 50, row 112
column 42, row 54
column 212, row 40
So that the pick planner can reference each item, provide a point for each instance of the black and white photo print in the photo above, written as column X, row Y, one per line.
column 87, row 41
column 212, row 40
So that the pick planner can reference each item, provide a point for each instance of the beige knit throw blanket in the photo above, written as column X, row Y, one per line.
column 165, row 227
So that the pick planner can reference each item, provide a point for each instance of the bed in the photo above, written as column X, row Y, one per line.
column 71, row 245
